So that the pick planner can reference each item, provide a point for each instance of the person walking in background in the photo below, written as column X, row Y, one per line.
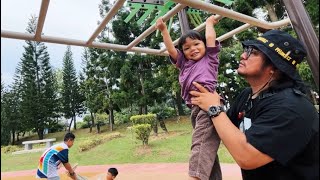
column 272, row 128
column 50, row 160
column 197, row 60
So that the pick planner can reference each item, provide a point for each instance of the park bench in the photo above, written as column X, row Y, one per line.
column 28, row 144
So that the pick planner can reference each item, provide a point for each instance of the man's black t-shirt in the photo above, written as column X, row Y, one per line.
column 284, row 125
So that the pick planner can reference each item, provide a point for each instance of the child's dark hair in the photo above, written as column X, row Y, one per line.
column 192, row 35
column 68, row 136
column 113, row 171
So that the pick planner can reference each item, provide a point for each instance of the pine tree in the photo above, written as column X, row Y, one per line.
column 38, row 94
column 72, row 100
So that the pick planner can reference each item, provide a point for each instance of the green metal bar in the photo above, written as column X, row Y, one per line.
column 135, row 9
column 163, row 10
column 198, row 18
column 226, row 2
column 192, row 19
column 144, row 16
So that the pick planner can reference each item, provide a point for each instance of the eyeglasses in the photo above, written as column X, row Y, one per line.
column 249, row 50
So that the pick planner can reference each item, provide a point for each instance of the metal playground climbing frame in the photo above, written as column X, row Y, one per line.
column 169, row 9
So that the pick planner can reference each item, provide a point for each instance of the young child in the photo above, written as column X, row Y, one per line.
column 197, row 60
column 112, row 174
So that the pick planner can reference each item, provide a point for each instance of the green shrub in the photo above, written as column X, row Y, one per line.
column 121, row 118
column 142, row 132
column 83, row 125
column 9, row 149
column 143, row 119
column 142, row 126
column 88, row 144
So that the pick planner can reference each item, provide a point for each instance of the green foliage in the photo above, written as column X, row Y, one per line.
column 306, row 75
column 72, row 98
column 142, row 126
column 10, row 149
column 83, row 125
column 88, row 144
column 57, row 127
column 122, row 117
column 101, row 118
column 143, row 119
column 312, row 7
column 163, row 111
column 142, row 132
column 35, row 87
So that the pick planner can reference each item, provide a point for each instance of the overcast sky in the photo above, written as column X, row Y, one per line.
column 75, row 19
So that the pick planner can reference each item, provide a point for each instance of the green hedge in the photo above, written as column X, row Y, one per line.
column 91, row 143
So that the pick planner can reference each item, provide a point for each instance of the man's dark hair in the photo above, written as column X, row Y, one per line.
column 113, row 171
column 192, row 35
column 68, row 136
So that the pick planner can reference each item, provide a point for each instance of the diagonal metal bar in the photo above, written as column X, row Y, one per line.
column 111, row 13
column 302, row 25
column 152, row 28
column 42, row 18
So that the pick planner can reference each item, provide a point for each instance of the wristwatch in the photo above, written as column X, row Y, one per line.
column 214, row 111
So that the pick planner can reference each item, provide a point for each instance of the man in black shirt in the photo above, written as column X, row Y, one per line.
column 272, row 129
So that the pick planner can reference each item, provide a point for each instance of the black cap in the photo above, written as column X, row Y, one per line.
column 284, row 51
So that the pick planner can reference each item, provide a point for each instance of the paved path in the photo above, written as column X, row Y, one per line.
column 157, row 171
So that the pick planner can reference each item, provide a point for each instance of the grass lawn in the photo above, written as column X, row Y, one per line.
column 173, row 147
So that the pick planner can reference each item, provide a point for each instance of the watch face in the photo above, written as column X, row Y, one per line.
column 215, row 110
column 212, row 111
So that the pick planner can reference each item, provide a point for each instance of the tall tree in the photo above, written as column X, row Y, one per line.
column 38, row 96
column 72, row 102
column 5, row 131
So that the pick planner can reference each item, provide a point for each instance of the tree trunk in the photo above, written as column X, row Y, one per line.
column 13, row 137
column 70, row 125
column 111, row 119
column 143, row 108
column 98, row 128
column 18, row 134
column 272, row 12
column 75, row 123
column 40, row 133
column 92, row 121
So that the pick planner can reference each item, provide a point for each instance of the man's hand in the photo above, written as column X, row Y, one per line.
column 72, row 175
column 204, row 99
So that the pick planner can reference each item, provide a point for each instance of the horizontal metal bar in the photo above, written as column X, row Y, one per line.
column 66, row 41
column 227, row 13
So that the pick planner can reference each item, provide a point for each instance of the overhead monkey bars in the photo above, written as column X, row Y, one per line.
column 132, row 47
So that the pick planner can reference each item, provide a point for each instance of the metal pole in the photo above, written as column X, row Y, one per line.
column 183, row 19
column 302, row 25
